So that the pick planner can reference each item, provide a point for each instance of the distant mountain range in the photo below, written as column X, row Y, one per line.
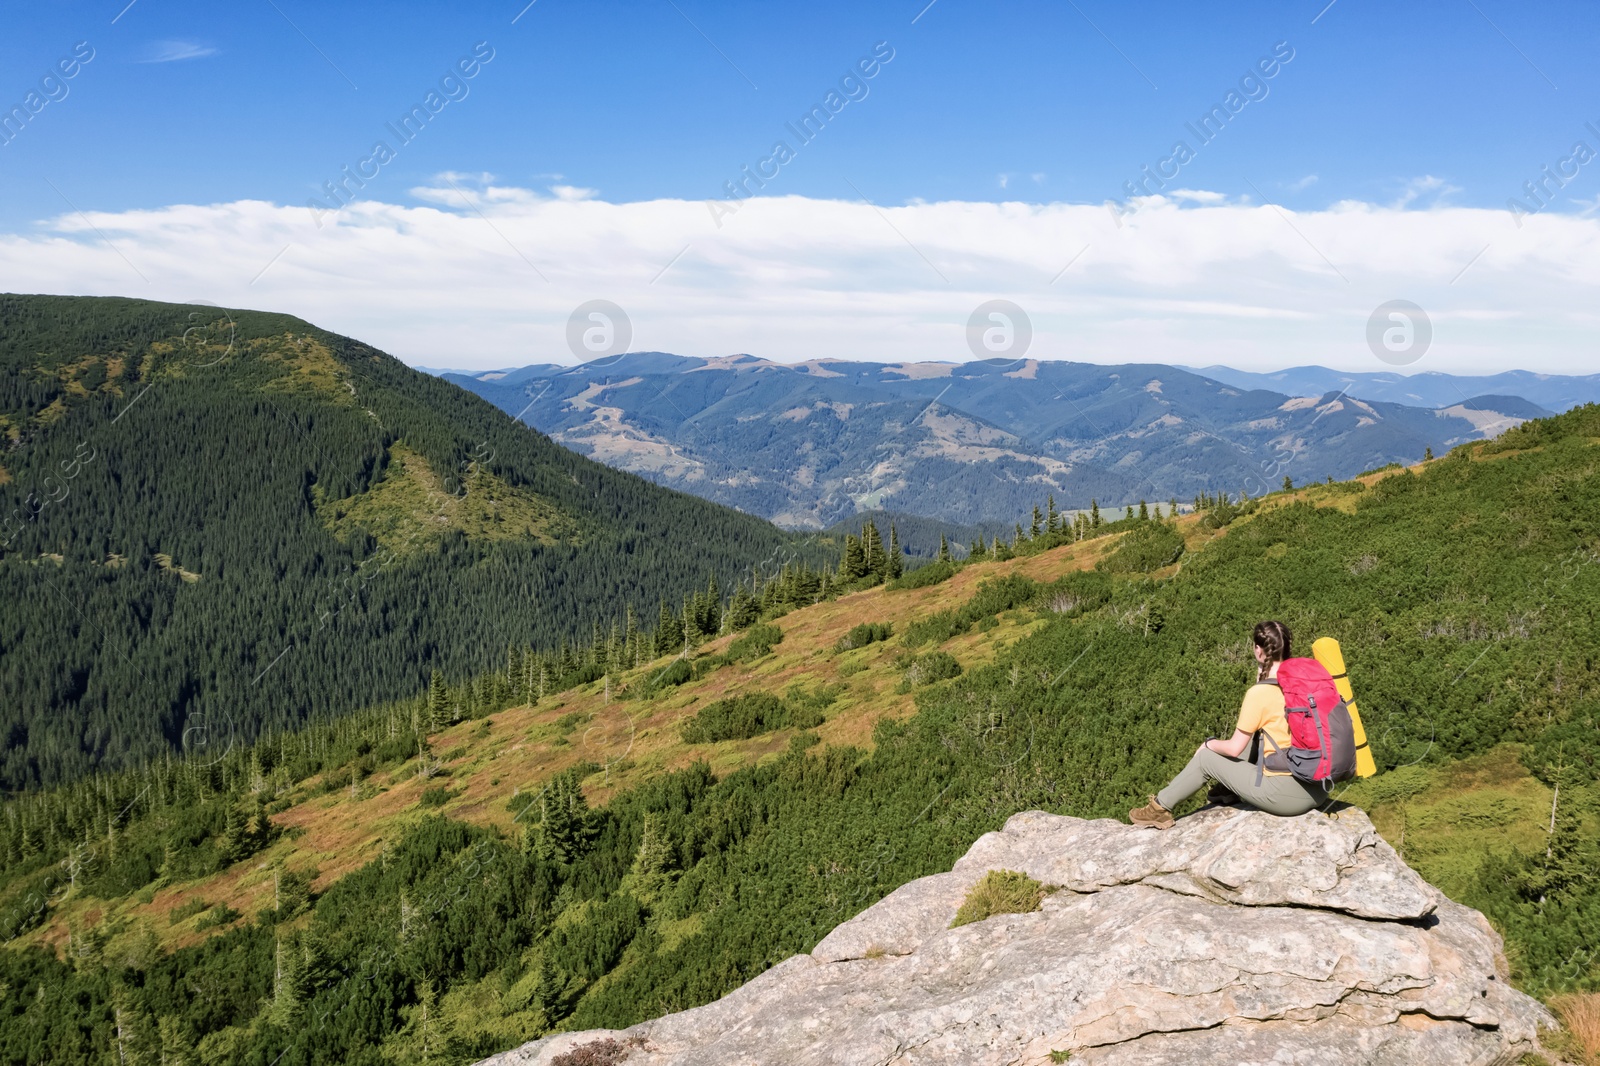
column 1554, row 391
column 807, row 445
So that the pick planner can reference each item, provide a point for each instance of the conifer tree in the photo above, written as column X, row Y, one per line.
column 564, row 826
column 438, row 703
column 854, row 563
column 514, row 672
column 1036, row 526
column 743, row 611
column 176, row 1047
column 669, row 632
column 944, row 549
column 651, row 861
column 895, row 565
column 134, row 1038
column 872, row 547
column 1094, row 514
column 1144, row 511
column 1129, row 516
column 1288, row 484
column 711, row 622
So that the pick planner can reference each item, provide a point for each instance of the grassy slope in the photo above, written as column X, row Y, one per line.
column 1443, row 818
column 488, row 761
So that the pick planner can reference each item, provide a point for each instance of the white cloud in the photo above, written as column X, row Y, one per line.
column 1303, row 184
column 436, row 283
column 1427, row 185
column 174, row 51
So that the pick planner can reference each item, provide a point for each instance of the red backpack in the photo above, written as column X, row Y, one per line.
column 1322, row 738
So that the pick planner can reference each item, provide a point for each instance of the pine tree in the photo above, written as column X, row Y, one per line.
column 630, row 635
column 744, row 610
column 854, row 563
column 1427, row 454
column 438, row 704
column 1144, row 511
column 944, row 549
column 711, row 621
column 654, row 857
column 896, row 562
column 1094, row 514
column 564, row 827
column 133, row 1036
column 1036, row 526
column 669, row 632
column 1051, row 518
column 1288, row 484
column 1569, row 857
column 872, row 547
column 177, row 1049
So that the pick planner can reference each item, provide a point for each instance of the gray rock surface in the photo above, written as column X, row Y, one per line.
column 1233, row 938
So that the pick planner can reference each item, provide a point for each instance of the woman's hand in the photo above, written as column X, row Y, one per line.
column 1233, row 747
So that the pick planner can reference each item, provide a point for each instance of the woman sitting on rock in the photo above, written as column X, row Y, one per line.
column 1223, row 763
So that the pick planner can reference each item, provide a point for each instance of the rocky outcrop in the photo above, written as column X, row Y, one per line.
column 1233, row 938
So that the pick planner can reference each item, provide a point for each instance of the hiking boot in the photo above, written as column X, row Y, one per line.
column 1152, row 815
column 1222, row 796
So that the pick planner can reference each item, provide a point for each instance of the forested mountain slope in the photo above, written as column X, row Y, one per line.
column 810, row 444
column 387, row 890
column 217, row 524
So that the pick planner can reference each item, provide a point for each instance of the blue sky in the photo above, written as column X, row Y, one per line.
column 1413, row 107
column 630, row 99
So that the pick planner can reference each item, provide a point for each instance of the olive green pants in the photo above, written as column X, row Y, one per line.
column 1276, row 795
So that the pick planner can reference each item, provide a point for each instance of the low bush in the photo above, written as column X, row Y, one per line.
column 1148, row 546
column 992, row 597
column 218, row 916
column 934, row 666
column 757, row 641
column 187, row 909
column 923, row 576
column 748, row 715
column 862, row 635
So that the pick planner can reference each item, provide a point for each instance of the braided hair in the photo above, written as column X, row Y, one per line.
column 1274, row 639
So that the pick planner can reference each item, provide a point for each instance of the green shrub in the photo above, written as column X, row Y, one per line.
column 435, row 797
column 992, row 597
column 678, row 673
column 925, row 575
column 747, row 715
column 218, row 916
column 187, row 909
column 1148, row 546
column 1000, row 892
column 862, row 635
column 757, row 641
column 934, row 666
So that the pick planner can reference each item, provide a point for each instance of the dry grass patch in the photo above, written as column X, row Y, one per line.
column 1580, row 1014
column 1001, row 892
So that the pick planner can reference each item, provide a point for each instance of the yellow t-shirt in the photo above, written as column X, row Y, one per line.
column 1263, row 710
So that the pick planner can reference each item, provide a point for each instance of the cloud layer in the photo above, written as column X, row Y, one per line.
column 477, row 275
